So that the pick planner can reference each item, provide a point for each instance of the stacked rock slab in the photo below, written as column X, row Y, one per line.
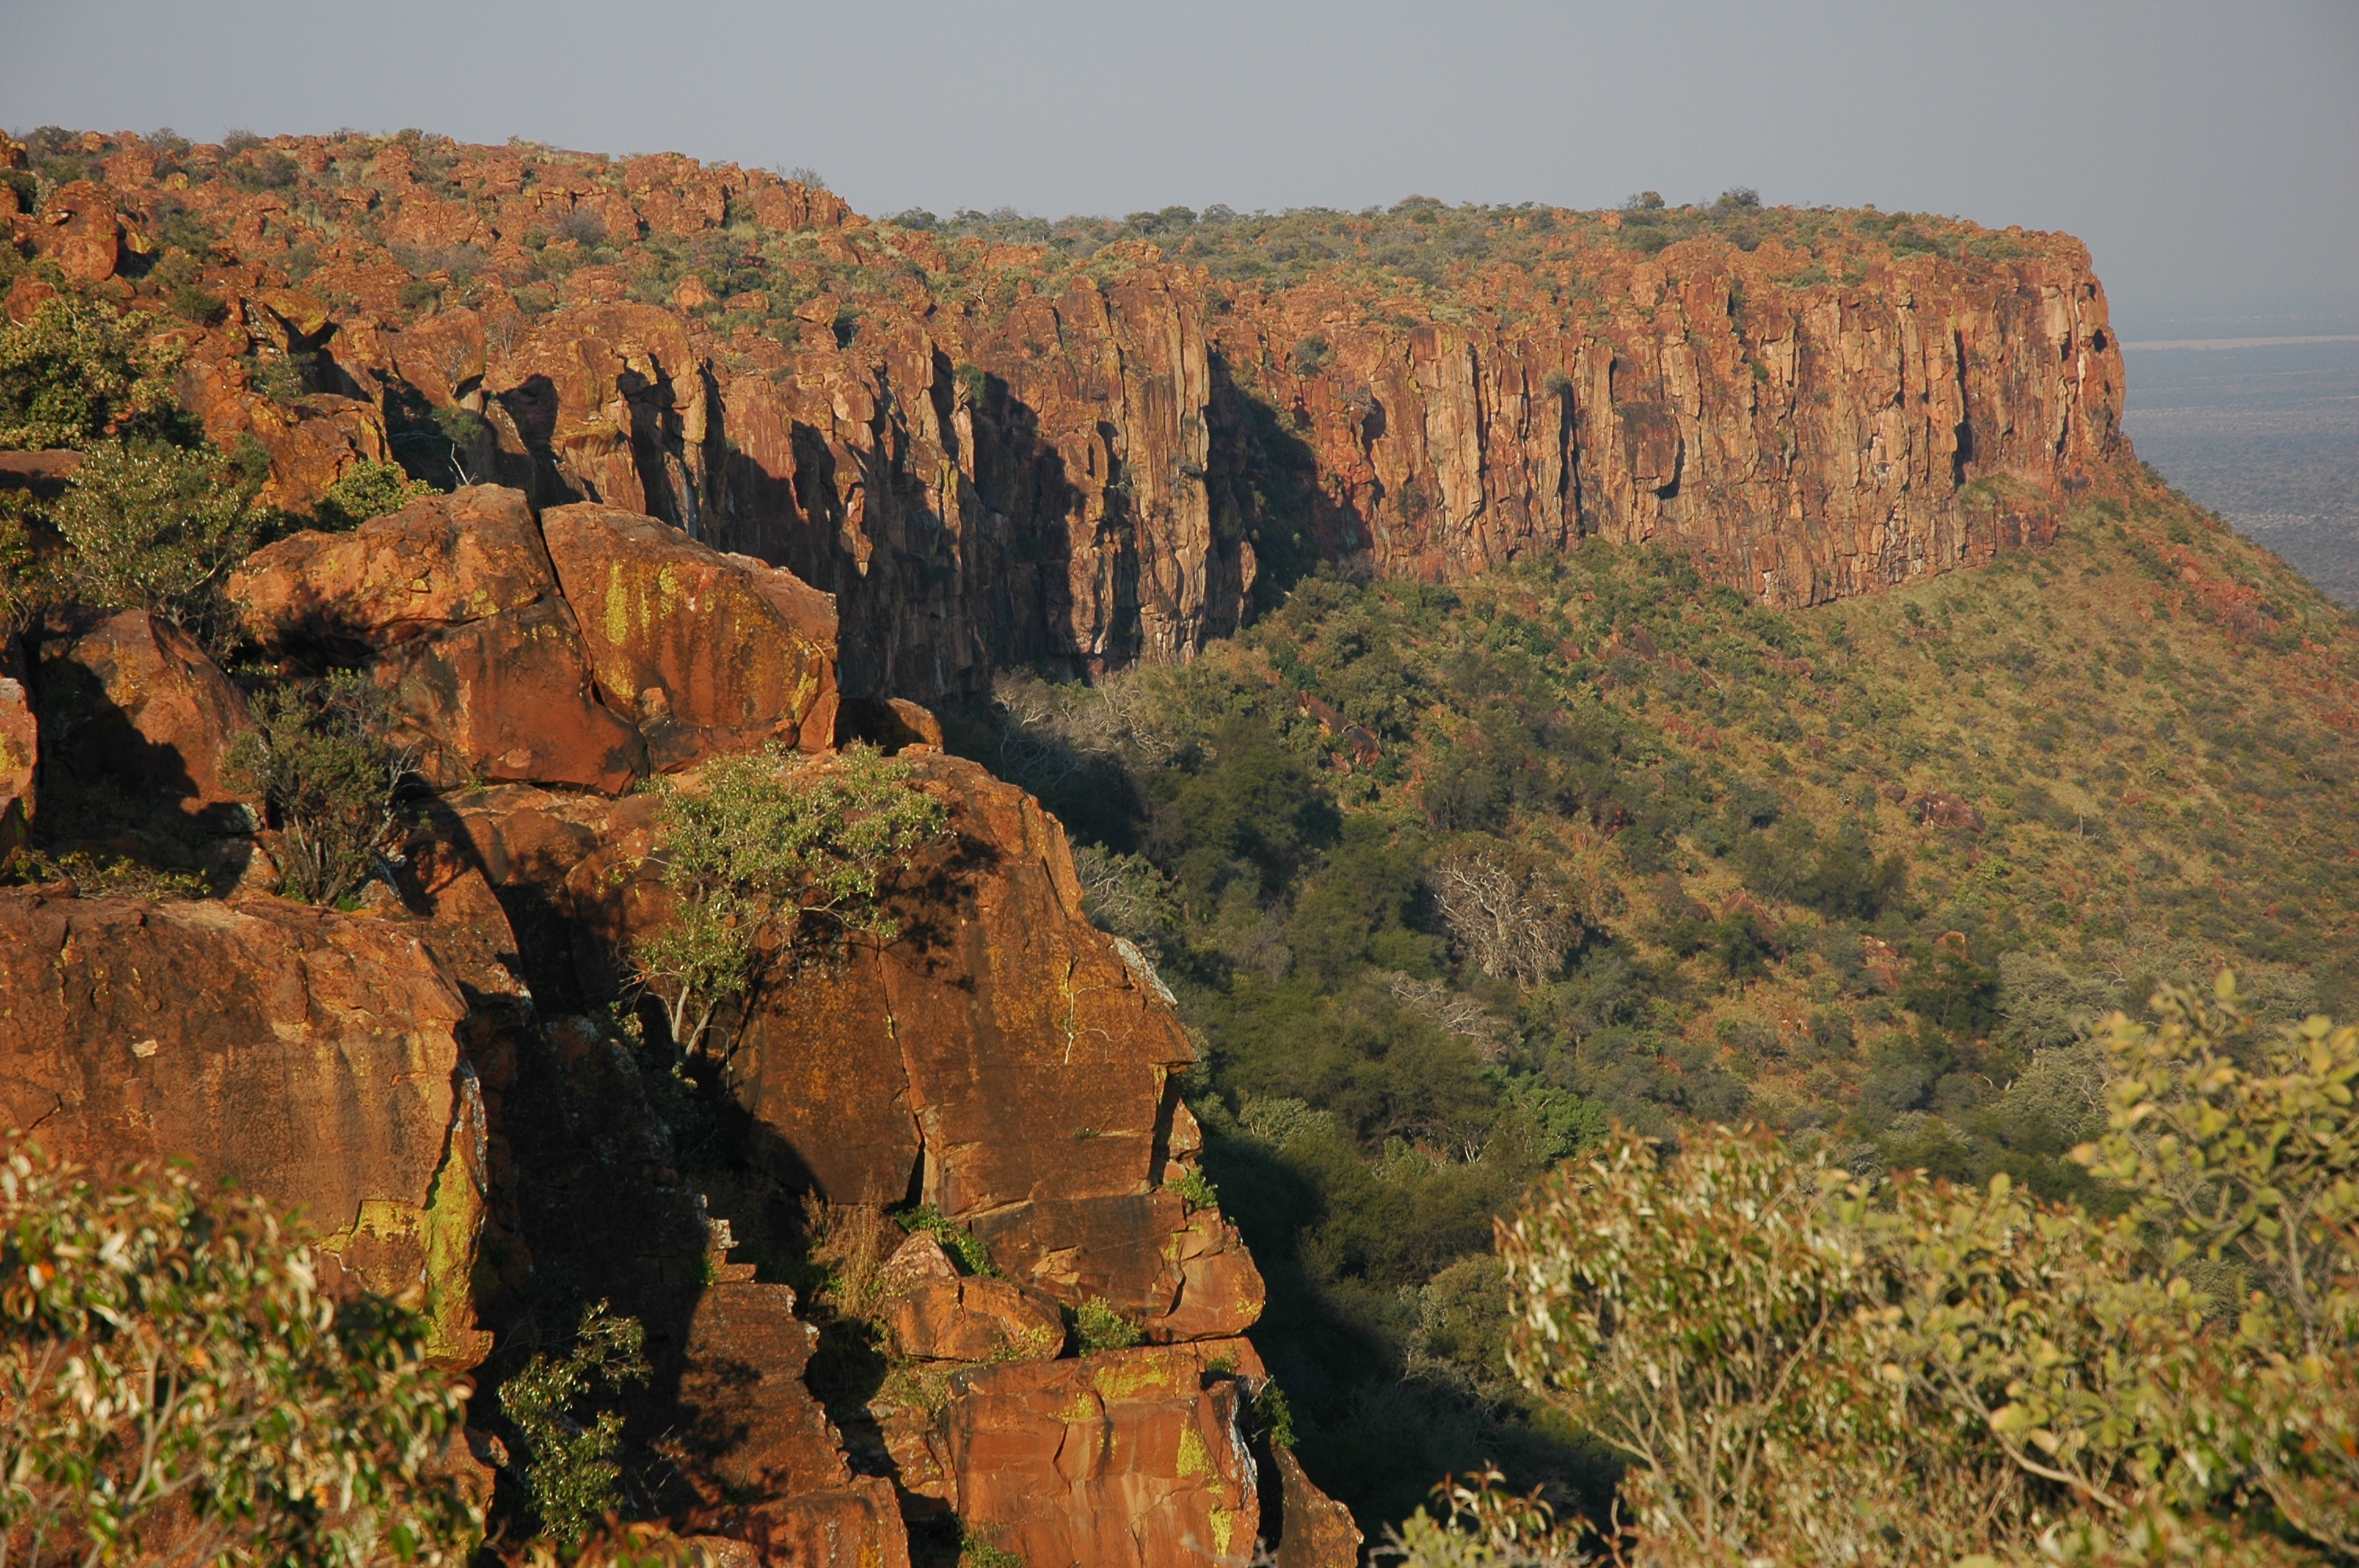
column 127, row 700
column 454, row 605
column 586, row 656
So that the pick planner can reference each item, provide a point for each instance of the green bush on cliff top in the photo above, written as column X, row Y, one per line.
column 763, row 849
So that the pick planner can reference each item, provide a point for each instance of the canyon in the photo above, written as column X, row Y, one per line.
column 723, row 467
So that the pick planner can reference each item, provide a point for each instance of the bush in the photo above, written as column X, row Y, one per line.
column 956, row 1238
column 154, row 528
column 765, row 848
column 175, row 1379
column 320, row 762
column 570, row 1469
column 365, row 489
column 1802, row 1367
column 1098, row 1326
column 77, row 374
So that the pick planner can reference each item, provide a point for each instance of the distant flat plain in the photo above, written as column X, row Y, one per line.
column 2265, row 430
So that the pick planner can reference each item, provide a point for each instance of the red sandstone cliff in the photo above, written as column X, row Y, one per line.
column 992, row 454
column 421, row 1079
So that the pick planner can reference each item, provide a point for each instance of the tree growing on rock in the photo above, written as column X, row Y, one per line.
column 329, row 779
column 763, row 850
column 179, row 1388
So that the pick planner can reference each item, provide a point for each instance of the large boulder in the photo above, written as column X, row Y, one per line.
column 1134, row 1459
column 309, row 1056
column 709, row 652
column 129, row 702
column 453, row 605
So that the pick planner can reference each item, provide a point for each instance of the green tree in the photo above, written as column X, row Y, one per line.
column 1798, row 1366
column 365, row 489
column 320, row 760
column 79, row 373
column 154, row 528
column 177, row 1386
column 570, row 1468
column 761, row 848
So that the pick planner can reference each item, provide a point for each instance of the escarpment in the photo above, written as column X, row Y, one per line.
column 1091, row 452
column 447, row 1077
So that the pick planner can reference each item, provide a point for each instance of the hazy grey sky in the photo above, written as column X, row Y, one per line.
column 2209, row 153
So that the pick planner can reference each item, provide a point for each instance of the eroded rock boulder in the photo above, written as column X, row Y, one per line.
column 311, row 1057
column 708, row 652
column 1134, row 1459
column 128, row 702
column 454, row 606
column 967, row 1319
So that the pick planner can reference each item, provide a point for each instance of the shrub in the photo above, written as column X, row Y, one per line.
column 155, row 526
column 764, row 848
column 570, row 1471
column 956, row 1238
column 78, row 372
column 175, row 1379
column 320, row 762
column 1098, row 1326
column 365, row 489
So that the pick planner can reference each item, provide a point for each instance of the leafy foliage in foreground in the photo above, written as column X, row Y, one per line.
column 179, row 1387
column 1801, row 1365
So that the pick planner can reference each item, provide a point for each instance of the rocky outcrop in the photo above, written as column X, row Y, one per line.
column 454, row 607
column 585, row 648
column 311, row 1057
column 1134, row 1459
column 128, row 702
column 709, row 652
column 1003, row 1061
column 753, row 1430
column 992, row 454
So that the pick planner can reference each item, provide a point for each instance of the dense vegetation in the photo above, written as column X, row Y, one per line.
column 1447, row 878
column 153, row 518
column 1801, row 1365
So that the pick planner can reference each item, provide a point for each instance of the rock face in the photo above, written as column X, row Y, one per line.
column 128, row 701
column 1117, row 1461
column 20, row 752
column 746, row 1352
column 994, row 455
column 321, row 1070
column 1003, row 1061
column 711, row 653
column 453, row 602
column 584, row 655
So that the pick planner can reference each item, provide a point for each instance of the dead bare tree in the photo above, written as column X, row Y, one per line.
column 1494, row 919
